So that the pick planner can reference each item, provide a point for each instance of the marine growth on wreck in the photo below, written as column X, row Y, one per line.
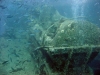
column 37, row 39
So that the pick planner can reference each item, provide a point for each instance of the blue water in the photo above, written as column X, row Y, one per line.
column 14, row 14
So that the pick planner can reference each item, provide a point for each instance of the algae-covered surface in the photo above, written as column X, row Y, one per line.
column 71, row 33
column 36, row 38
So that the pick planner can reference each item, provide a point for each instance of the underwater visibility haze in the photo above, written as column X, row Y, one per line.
column 49, row 37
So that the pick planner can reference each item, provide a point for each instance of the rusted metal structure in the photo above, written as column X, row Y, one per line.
column 68, row 48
